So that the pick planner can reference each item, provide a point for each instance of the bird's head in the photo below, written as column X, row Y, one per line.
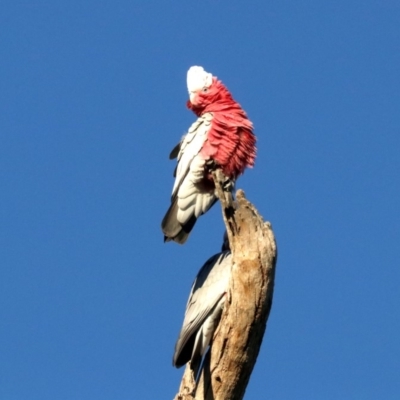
column 204, row 89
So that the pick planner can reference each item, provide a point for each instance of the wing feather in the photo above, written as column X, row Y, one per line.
column 190, row 148
column 207, row 290
column 189, row 199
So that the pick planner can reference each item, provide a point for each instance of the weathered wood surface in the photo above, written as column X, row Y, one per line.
column 238, row 338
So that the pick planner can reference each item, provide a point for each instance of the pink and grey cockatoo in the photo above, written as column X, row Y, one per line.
column 203, row 309
column 222, row 136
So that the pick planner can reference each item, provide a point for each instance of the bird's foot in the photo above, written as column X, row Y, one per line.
column 211, row 165
column 228, row 185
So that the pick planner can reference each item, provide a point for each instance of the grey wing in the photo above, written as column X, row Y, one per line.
column 175, row 151
column 189, row 150
column 188, row 201
column 207, row 291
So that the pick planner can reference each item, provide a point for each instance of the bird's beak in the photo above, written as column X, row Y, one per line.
column 192, row 96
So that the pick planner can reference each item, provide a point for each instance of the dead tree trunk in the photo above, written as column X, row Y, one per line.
column 229, row 363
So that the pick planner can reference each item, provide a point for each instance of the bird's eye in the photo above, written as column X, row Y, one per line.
column 205, row 90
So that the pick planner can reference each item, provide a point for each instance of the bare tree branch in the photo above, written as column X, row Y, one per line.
column 229, row 363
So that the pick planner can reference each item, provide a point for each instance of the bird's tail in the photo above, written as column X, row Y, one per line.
column 172, row 228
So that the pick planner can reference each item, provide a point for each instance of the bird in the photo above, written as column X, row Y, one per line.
column 203, row 310
column 221, row 137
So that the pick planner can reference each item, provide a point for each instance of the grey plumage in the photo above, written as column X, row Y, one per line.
column 192, row 195
column 203, row 310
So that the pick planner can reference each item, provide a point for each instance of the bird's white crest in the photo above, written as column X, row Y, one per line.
column 198, row 78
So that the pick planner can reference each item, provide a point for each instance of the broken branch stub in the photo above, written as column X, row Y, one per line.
column 237, row 341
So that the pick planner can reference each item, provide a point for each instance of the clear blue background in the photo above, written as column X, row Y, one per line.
column 92, row 99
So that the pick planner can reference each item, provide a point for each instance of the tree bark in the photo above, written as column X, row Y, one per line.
column 237, row 341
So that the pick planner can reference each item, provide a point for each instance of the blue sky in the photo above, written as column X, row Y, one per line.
column 92, row 97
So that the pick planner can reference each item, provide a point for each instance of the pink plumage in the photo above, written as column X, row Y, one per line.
column 222, row 134
column 230, row 140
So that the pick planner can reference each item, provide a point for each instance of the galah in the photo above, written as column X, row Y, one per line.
column 203, row 309
column 222, row 136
